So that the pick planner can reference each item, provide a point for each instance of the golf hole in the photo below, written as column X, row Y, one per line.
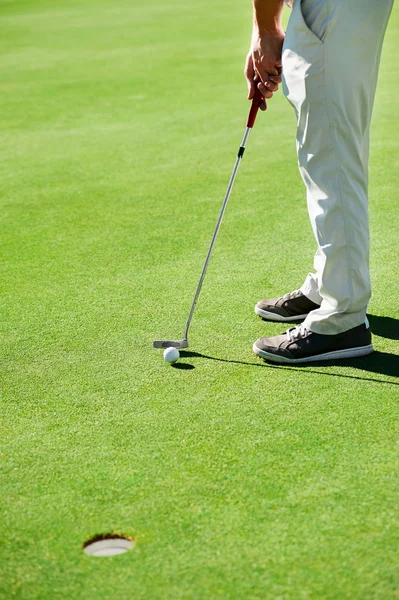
column 108, row 545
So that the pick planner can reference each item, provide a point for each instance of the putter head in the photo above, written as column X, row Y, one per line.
column 170, row 344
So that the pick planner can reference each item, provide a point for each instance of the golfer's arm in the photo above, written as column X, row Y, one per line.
column 267, row 15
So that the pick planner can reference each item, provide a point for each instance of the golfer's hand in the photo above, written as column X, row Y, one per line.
column 263, row 65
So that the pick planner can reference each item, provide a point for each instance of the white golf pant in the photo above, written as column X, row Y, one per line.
column 331, row 57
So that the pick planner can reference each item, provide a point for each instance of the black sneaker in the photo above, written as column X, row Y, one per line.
column 294, row 306
column 299, row 345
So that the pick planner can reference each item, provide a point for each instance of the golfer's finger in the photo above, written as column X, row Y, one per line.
column 275, row 78
column 251, row 88
column 250, row 76
column 273, row 87
column 264, row 75
column 266, row 93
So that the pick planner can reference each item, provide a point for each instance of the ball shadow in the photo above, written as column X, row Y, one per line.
column 183, row 366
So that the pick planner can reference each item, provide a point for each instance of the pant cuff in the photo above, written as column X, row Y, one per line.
column 310, row 289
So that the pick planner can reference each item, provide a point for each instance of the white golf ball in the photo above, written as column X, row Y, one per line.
column 171, row 355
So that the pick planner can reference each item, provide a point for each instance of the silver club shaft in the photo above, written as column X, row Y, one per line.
column 218, row 224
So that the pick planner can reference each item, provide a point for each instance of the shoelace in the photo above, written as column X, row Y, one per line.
column 296, row 332
column 291, row 295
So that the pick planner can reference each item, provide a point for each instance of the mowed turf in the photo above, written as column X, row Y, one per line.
column 120, row 124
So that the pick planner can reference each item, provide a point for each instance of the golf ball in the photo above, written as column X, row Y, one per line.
column 171, row 355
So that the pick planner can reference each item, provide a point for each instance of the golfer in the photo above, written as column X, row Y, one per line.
column 328, row 62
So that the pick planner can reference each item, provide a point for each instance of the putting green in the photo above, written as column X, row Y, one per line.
column 120, row 124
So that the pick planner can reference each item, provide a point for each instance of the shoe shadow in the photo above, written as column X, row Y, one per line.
column 380, row 363
column 384, row 326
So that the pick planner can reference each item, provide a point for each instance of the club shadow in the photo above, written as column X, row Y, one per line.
column 380, row 363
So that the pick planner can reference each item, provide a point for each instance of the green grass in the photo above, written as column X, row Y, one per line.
column 120, row 122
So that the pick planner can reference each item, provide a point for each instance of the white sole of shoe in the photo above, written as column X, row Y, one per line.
column 273, row 317
column 335, row 355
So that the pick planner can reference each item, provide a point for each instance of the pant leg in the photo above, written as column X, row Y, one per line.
column 331, row 58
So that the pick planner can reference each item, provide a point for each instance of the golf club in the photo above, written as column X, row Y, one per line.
column 250, row 123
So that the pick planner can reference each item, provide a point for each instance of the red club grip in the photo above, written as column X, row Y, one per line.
column 257, row 99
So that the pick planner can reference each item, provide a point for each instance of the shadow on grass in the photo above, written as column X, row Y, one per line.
column 384, row 326
column 183, row 366
column 378, row 362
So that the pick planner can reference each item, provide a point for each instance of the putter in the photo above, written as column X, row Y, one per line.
column 250, row 123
